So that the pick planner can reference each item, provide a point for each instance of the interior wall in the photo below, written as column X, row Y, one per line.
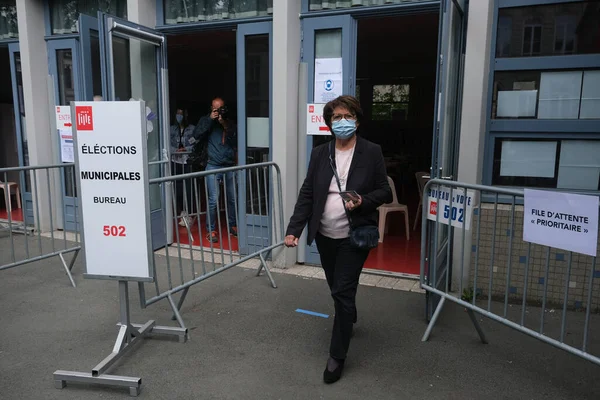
column 202, row 66
column 400, row 50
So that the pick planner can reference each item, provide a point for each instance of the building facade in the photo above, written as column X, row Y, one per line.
column 497, row 92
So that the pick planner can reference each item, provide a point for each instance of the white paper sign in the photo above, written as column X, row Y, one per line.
column 328, row 79
column 315, row 124
column 65, row 133
column 113, row 180
column 564, row 221
column 462, row 206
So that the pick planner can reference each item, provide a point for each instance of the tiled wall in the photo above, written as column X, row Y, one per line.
column 558, row 260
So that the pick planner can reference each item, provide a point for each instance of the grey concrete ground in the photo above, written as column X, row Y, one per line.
column 247, row 342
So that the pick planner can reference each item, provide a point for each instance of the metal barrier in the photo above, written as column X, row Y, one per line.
column 25, row 224
column 242, row 231
column 194, row 255
column 516, row 283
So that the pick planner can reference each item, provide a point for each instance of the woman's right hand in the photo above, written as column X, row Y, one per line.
column 291, row 241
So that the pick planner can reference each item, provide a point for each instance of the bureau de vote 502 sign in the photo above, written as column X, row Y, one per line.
column 111, row 162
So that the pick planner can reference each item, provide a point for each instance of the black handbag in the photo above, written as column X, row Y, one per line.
column 362, row 237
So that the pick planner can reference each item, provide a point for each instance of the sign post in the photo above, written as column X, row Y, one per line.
column 453, row 206
column 112, row 172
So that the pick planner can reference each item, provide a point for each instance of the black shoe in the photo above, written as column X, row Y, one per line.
column 335, row 375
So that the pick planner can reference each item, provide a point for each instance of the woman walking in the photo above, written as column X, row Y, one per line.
column 345, row 184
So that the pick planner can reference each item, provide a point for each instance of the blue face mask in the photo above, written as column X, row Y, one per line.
column 343, row 129
column 179, row 118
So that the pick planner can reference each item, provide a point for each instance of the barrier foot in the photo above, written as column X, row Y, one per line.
column 130, row 336
column 69, row 267
column 436, row 314
column 133, row 383
column 180, row 302
column 477, row 326
column 177, row 314
column 263, row 264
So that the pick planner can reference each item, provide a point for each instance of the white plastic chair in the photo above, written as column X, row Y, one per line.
column 394, row 206
column 11, row 188
column 421, row 182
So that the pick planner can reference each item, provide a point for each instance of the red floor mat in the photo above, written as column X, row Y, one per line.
column 396, row 254
column 16, row 214
column 225, row 242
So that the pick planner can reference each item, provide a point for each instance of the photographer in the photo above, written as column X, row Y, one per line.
column 220, row 135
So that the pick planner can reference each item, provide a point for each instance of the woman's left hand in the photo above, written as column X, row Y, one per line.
column 353, row 205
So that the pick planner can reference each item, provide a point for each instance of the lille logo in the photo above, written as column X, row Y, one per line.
column 85, row 121
column 311, row 109
column 433, row 208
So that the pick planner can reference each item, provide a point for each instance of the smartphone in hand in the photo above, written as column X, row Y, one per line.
column 350, row 195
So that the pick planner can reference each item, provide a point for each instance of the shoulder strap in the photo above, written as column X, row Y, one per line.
column 337, row 178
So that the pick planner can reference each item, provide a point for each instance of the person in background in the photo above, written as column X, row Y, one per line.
column 182, row 141
column 360, row 168
column 220, row 133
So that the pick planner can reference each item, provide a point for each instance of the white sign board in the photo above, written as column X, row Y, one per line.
column 315, row 124
column 564, row 221
column 112, row 174
column 459, row 212
column 328, row 79
column 64, row 128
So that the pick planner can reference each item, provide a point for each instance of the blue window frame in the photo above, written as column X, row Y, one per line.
column 543, row 111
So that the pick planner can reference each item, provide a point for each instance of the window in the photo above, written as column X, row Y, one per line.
column 565, row 34
column 8, row 19
column 572, row 164
column 390, row 102
column 317, row 5
column 546, row 95
column 182, row 12
column 549, row 29
column 532, row 39
column 504, row 36
column 65, row 13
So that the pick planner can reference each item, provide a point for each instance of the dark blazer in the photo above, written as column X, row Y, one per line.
column 367, row 176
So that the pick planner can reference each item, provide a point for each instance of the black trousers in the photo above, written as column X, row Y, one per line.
column 342, row 264
column 178, row 169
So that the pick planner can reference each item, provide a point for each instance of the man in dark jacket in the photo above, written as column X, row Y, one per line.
column 220, row 135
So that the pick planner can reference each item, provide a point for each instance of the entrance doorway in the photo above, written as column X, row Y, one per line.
column 396, row 88
column 234, row 64
column 13, row 151
column 194, row 81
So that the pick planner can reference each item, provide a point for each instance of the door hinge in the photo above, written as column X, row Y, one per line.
column 441, row 59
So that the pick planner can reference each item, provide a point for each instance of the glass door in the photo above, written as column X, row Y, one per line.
column 64, row 68
column 254, row 62
column 329, row 40
column 135, row 67
column 451, row 45
column 20, row 125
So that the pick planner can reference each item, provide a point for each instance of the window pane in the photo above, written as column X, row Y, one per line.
column 560, row 93
column 546, row 30
column 317, row 5
column 528, row 158
column 328, row 43
column 590, row 98
column 257, row 121
column 8, row 19
column 182, row 12
column 65, row 13
column 515, row 94
column 579, row 164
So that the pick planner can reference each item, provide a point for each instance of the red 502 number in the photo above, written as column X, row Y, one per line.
column 113, row 230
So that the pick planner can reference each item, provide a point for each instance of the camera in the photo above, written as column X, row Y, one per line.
column 222, row 111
